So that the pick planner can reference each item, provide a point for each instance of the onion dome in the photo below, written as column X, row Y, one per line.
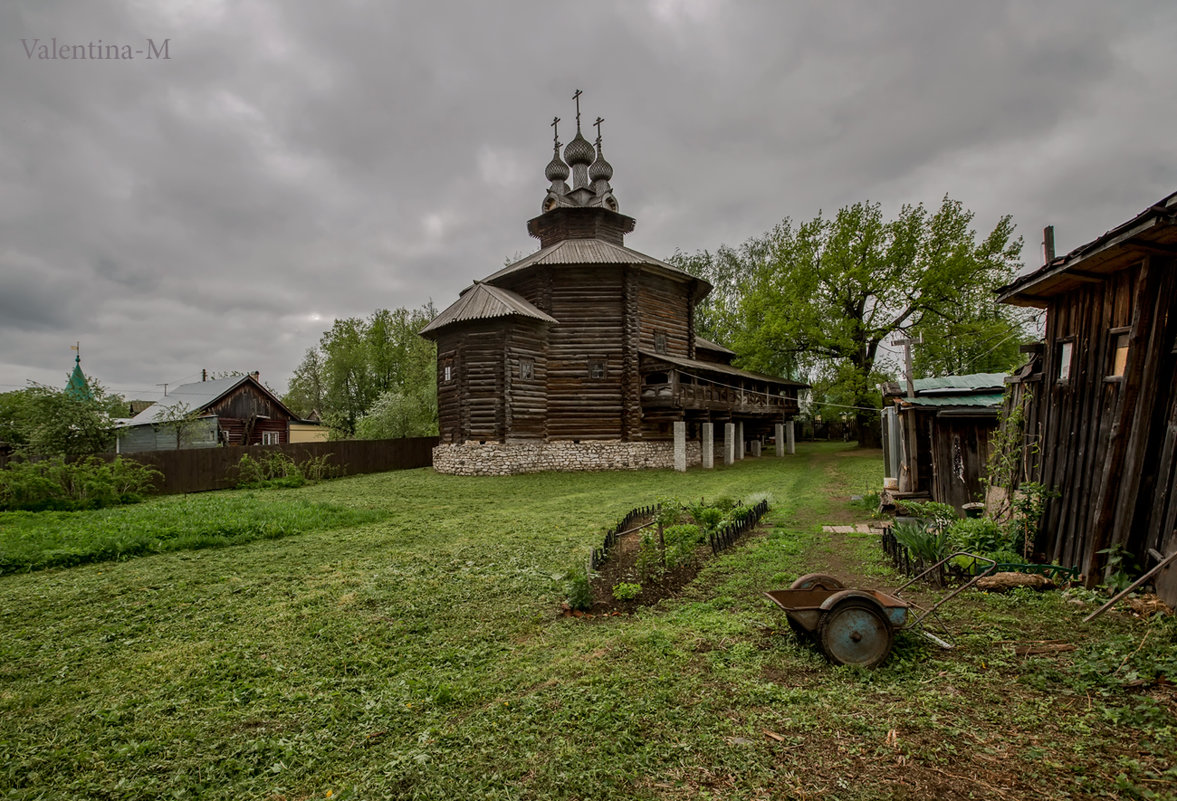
column 579, row 151
column 557, row 171
column 600, row 170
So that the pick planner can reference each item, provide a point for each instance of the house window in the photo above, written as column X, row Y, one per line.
column 527, row 369
column 596, row 367
column 660, row 342
column 1065, row 357
column 271, row 438
column 1119, row 351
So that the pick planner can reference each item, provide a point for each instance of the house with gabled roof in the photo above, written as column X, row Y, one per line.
column 237, row 410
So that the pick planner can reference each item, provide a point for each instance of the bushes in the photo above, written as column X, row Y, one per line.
column 276, row 469
column 60, row 485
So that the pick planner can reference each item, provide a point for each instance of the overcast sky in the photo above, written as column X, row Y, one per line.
column 296, row 161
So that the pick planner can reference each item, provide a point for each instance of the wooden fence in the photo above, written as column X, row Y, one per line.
column 201, row 469
column 642, row 513
column 745, row 521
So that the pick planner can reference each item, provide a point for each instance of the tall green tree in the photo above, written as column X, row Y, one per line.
column 361, row 361
column 821, row 298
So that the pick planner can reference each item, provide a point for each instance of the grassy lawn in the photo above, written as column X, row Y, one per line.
column 417, row 651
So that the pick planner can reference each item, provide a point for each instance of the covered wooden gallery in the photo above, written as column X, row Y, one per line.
column 1098, row 394
column 584, row 354
column 936, row 436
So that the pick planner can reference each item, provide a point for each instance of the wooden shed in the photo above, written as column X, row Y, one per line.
column 936, row 438
column 1099, row 397
column 587, row 341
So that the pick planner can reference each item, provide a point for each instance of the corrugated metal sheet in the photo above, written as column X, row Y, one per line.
column 714, row 367
column 485, row 302
column 987, row 399
column 960, row 383
column 194, row 396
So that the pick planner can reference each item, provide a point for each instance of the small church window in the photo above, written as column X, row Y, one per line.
column 596, row 367
column 660, row 342
column 527, row 368
column 447, row 370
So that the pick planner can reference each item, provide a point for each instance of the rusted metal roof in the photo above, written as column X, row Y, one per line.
column 591, row 251
column 485, row 302
column 716, row 367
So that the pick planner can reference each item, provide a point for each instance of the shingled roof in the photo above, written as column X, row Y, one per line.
column 485, row 302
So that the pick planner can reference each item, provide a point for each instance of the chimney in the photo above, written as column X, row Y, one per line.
column 256, row 376
column 1048, row 244
column 204, row 375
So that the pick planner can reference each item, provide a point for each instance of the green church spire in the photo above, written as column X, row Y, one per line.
column 78, row 387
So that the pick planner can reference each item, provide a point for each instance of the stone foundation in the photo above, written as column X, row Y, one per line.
column 503, row 459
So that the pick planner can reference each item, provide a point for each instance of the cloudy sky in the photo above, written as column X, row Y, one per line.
column 294, row 161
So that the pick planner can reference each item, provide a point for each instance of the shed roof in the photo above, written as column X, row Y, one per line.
column 485, row 302
column 707, row 344
column 1151, row 231
column 974, row 389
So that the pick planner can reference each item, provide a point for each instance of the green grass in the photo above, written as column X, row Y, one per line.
column 37, row 540
column 420, row 654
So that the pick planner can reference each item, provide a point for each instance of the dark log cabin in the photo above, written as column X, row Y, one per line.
column 584, row 355
column 1098, row 394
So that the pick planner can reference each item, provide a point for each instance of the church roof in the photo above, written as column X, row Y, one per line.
column 485, row 302
column 78, row 387
column 590, row 251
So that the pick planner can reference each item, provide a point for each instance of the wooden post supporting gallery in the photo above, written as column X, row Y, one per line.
column 792, row 439
column 680, row 446
column 708, row 446
column 729, row 443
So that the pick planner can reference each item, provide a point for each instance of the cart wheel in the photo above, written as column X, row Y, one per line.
column 855, row 632
column 811, row 581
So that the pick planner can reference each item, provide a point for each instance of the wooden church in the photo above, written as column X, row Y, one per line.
column 583, row 355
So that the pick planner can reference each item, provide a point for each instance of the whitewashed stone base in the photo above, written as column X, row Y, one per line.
column 503, row 459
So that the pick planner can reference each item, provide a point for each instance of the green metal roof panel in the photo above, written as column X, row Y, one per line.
column 980, row 399
column 961, row 383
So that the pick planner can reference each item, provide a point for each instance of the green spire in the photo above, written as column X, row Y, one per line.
column 78, row 387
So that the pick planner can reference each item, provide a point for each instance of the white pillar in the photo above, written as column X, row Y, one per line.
column 756, row 448
column 708, row 446
column 680, row 446
column 729, row 443
column 780, row 439
column 791, row 439
column 741, row 446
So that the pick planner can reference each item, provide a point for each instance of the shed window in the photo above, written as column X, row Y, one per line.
column 1065, row 354
column 1119, row 354
column 527, row 368
column 596, row 367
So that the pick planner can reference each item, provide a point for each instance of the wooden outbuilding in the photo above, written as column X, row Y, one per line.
column 936, row 437
column 583, row 355
column 237, row 410
column 1098, row 395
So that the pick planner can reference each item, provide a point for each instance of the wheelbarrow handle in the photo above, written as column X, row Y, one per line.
column 954, row 593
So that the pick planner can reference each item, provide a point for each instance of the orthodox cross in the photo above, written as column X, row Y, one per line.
column 598, row 124
column 576, row 97
column 555, row 131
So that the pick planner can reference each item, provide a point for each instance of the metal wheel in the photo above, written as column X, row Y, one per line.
column 812, row 581
column 855, row 632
